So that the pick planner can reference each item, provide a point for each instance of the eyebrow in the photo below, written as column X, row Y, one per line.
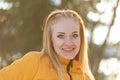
column 64, row 32
column 74, row 32
column 60, row 33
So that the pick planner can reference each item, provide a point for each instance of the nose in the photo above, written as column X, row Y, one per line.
column 68, row 42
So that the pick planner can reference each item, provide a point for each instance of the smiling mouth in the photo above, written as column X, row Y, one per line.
column 66, row 49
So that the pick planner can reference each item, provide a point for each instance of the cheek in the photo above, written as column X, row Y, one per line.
column 56, row 42
column 77, row 42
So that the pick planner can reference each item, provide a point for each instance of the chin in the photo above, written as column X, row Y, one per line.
column 70, row 57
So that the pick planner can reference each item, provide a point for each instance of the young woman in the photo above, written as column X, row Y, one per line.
column 64, row 54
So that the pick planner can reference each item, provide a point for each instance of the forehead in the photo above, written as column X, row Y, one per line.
column 65, row 25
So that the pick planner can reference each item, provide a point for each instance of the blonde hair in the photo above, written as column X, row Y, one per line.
column 82, row 56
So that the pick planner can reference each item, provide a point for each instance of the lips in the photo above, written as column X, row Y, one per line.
column 68, row 49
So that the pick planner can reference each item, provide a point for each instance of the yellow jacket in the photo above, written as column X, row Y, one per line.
column 34, row 67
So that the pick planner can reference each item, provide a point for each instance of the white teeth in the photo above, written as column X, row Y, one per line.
column 68, row 49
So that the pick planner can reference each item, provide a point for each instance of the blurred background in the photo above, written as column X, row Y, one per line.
column 21, row 31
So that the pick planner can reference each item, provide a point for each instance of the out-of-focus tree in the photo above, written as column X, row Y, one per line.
column 20, row 27
column 21, row 22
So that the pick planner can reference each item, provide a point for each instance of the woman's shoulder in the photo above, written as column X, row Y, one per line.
column 30, row 58
column 27, row 66
column 35, row 56
column 32, row 55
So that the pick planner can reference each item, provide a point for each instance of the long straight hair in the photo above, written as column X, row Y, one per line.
column 82, row 55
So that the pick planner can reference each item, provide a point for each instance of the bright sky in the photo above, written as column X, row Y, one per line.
column 5, row 5
column 110, row 67
column 101, row 31
column 106, row 65
column 56, row 2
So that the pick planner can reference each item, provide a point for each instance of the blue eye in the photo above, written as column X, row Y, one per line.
column 75, row 35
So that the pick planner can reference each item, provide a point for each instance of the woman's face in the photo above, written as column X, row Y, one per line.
column 66, row 37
